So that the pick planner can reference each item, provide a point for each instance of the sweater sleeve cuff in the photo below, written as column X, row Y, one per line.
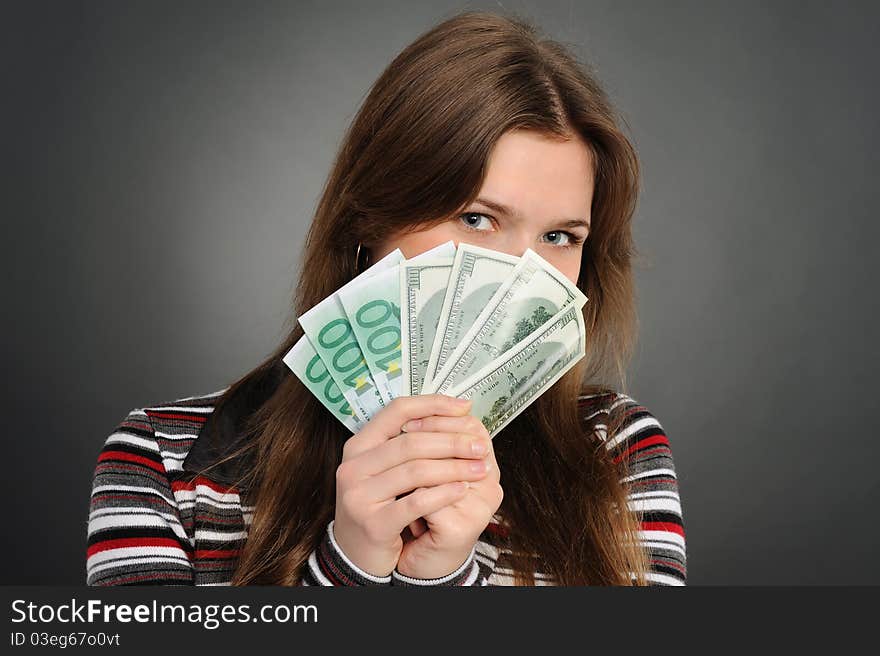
column 330, row 566
column 466, row 574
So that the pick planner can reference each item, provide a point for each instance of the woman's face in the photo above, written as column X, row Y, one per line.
column 537, row 194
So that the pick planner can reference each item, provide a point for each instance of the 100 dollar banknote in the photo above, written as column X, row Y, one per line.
column 533, row 293
column 503, row 389
column 422, row 290
column 466, row 321
column 476, row 275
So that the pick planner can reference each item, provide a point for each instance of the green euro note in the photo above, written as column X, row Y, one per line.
column 328, row 329
column 373, row 310
column 305, row 362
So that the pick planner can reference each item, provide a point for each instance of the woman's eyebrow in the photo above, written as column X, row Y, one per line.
column 575, row 223
column 501, row 208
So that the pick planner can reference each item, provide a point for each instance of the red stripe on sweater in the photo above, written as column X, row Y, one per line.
column 130, row 457
column 180, row 576
column 494, row 527
column 190, row 486
column 175, row 415
column 330, row 571
column 216, row 553
column 123, row 543
column 663, row 526
column 658, row 438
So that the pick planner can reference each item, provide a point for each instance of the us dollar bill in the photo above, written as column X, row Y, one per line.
column 476, row 275
column 330, row 332
column 503, row 389
column 372, row 306
column 534, row 292
column 422, row 290
column 305, row 362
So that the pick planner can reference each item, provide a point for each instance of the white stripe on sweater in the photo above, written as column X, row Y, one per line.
column 661, row 536
column 651, row 472
column 190, row 503
column 487, row 550
column 142, row 554
column 669, row 505
column 128, row 438
column 110, row 518
column 669, row 494
column 666, row 545
column 206, row 494
column 183, row 408
column 316, row 570
column 175, row 436
column 636, row 426
column 219, row 536
column 123, row 562
column 665, row 579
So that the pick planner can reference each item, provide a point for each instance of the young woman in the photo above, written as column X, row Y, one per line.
column 482, row 133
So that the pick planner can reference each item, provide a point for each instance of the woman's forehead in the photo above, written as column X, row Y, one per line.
column 533, row 177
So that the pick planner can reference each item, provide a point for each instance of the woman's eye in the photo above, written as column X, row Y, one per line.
column 558, row 238
column 474, row 221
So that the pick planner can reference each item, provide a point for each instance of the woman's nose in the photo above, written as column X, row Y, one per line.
column 514, row 243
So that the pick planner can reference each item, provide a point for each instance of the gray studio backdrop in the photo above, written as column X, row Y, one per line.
column 163, row 162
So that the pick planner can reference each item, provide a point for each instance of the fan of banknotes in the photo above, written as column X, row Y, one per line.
column 468, row 322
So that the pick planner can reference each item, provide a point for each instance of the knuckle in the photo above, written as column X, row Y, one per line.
column 475, row 426
column 408, row 446
column 343, row 473
column 499, row 496
column 417, row 501
column 445, row 401
column 396, row 406
column 350, row 447
column 417, row 470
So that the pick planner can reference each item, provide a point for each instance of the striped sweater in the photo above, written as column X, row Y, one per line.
column 154, row 521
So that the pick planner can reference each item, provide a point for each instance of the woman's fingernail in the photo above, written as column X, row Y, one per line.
column 412, row 425
column 479, row 447
column 462, row 402
column 479, row 466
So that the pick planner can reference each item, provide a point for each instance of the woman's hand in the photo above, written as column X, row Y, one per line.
column 379, row 464
column 443, row 540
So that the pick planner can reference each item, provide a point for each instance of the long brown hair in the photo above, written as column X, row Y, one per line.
column 415, row 155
